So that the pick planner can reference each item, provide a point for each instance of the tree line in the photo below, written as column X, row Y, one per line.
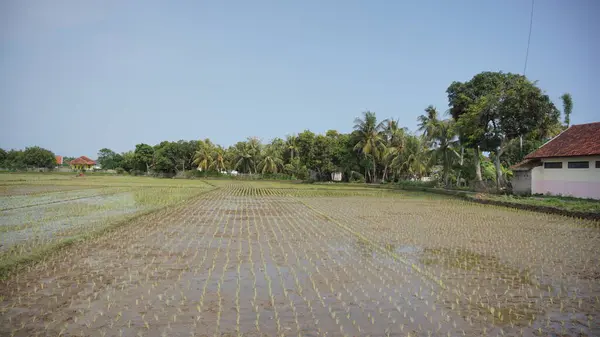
column 493, row 121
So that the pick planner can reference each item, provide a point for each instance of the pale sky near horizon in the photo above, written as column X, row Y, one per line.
column 77, row 76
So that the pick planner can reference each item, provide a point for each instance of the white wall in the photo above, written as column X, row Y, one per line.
column 581, row 183
column 521, row 182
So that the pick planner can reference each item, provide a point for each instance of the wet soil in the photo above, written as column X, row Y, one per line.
column 260, row 262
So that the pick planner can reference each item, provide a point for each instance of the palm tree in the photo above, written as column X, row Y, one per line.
column 395, row 138
column 247, row 154
column 389, row 153
column 567, row 107
column 444, row 136
column 414, row 159
column 218, row 159
column 290, row 143
column 369, row 140
column 203, row 156
column 271, row 162
column 427, row 122
column 394, row 133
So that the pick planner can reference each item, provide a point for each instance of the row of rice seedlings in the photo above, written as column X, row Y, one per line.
column 489, row 297
column 100, row 281
column 268, row 225
column 187, row 235
column 267, row 229
column 459, row 298
column 370, row 317
column 174, row 236
column 330, row 231
column 35, row 200
column 225, row 265
column 79, row 280
column 311, row 270
column 298, row 230
column 261, row 236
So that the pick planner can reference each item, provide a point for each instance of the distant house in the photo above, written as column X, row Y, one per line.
column 567, row 165
column 82, row 163
column 336, row 176
column 59, row 160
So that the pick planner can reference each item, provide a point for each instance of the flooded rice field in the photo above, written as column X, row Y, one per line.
column 248, row 261
column 33, row 222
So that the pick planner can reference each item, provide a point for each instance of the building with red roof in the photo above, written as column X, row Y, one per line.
column 568, row 164
column 82, row 163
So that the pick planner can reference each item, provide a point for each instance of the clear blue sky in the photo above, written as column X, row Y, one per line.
column 76, row 76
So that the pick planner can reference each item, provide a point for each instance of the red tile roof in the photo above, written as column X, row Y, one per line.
column 578, row 140
column 526, row 165
column 83, row 160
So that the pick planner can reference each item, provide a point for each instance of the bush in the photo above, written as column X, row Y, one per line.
column 120, row 170
column 417, row 183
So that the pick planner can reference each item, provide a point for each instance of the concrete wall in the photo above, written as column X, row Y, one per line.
column 581, row 183
column 521, row 182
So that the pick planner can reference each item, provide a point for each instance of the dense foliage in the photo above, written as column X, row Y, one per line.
column 31, row 158
column 494, row 120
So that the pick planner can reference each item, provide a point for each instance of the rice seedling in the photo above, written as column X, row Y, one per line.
column 284, row 260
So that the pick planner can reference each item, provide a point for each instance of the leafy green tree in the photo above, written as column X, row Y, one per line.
column 3, row 155
column 67, row 160
column 39, row 157
column 129, row 161
column 567, row 101
column 171, row 157
column 108, row 159
column 369, row 140
column 323, row 156
column 493, row 108
column 144, row 156
column 15, row 160
column 305, row 144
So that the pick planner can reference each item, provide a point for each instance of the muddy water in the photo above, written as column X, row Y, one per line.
column 62, row 219
column 261, row 264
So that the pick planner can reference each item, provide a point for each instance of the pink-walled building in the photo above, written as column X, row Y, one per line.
column 567, row 165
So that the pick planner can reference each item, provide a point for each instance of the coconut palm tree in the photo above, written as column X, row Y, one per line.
column 395, row 138
column 369, row 140
column 414, row 159
column 290, row 143
column 271, row 161
column 444, row 136
column 218, row 159
column 427, row 122
column 203, row 156
column 247, row 155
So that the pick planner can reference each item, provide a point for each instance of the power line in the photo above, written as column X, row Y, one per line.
column 529, row 38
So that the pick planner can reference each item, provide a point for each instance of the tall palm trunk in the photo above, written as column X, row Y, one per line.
column 384, row 175
column 446, row 168
column 462, row 158
column 374, row 171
